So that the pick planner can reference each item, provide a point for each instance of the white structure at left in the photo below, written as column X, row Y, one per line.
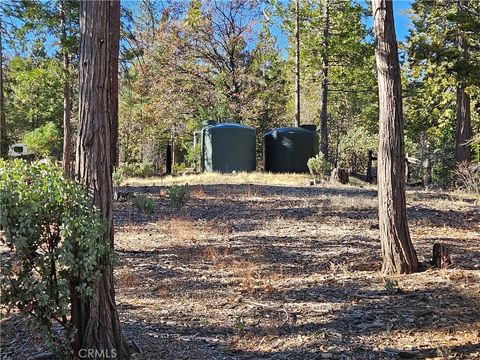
column 17, row 150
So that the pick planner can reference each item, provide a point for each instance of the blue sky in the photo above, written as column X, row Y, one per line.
column 402, row 21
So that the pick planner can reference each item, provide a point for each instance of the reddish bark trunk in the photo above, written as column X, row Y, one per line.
column 399, row 255
column 96, row 320
column 463, row 134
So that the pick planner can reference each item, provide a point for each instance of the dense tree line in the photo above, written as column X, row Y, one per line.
column 183, row 63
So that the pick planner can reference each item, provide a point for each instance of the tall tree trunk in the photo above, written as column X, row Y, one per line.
column 399, row 256
column 324, row 113
column 96, row 320
column 464, row 125
column 463, row 133
column 3, row 130
column 67, row 100
column 115, row 36
column 297, row 63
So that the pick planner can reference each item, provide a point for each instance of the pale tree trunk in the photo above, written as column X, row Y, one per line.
column 399, row 256
column 324, row 109
column 297, row 63
column 96, row 320
column 463, row 134
column 3, row 130
column 67, row 100
column 464, row 125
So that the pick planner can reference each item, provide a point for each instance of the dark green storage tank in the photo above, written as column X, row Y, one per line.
column 288, row 149
column 228, row 147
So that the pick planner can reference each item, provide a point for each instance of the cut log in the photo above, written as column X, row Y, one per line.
column 441, row 256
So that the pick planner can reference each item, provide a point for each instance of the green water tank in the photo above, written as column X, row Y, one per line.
column 228, row 147
column 287, row 150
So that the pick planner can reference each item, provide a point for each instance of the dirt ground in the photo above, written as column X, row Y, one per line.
column 285, row 270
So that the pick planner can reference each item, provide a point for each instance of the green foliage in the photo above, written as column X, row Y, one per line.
column 204, row 63
column 352, row 93
column 52, row 230
column 44, row 141
column 435, row 67
column 239, row 325
column 143, row 170
column 318, row 166
column 178, row 195
column 144, row 204
column 392, row 287
column 179, row 168
column 118, row 177
column 353, row 149
column 33, row 94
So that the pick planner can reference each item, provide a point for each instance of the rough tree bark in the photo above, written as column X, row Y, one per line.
column 399, row 256
column 297, row 63
column 464, row 126
column 67, row 99
column 324, row 109
column 96, row 320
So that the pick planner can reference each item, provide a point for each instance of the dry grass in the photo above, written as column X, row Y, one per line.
column 185, row 229
column 127, row 278
column 218, row 178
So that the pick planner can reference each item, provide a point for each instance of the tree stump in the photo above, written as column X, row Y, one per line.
column 441, row 256
column 339, row 175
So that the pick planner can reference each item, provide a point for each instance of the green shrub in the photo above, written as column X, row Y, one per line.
column 52, row 230
column 179, row 168
column 145, row 170
column 318, row 166
column 118, row 176
column 144, row 204
column 43, row 141
column 178, row 195
column 353, row 149
column 136, row 170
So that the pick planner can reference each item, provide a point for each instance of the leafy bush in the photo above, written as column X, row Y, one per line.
column 43, row 141
column 145, row 170
column 117, row 177
column 144, row 204
column 178, row 195
column 354, row 147
column 136, row 170
column 318, row 166
column 51, row 228
column 179, row 168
